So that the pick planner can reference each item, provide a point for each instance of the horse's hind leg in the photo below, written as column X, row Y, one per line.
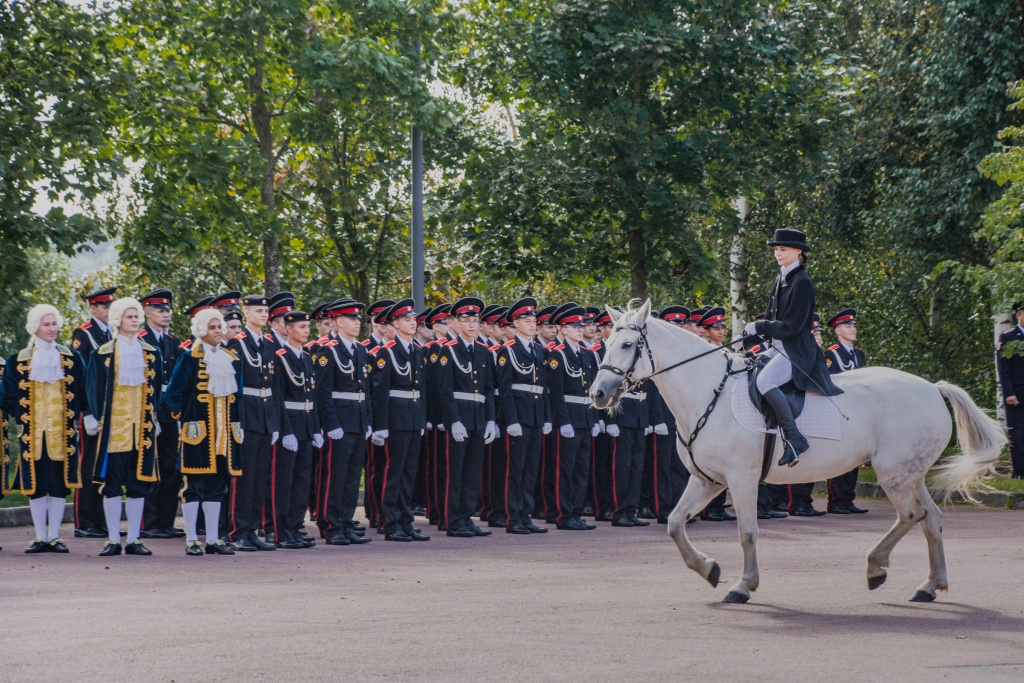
column 931, row 525
column 909, row 512
column 695, row 498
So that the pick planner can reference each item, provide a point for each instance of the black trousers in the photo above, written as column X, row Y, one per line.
column 207, row 488
column 49, row 477
column 487, row 475
column 88, row 499
column 570, row 470
column 244, row 511
column 843, row 489
column 522, row 468
column 601, row 474
column 1015, row 426
column 498, row 464
column 419, row 489
column 162, row 504
column 627, row 471
column 120, row 477
column 375, row 483
column 648, row 491
column 465, row 462
column 314, row 477
column 399, row 476
column 670, row 476
column 798, row 496
column 340, row 465
column 435, row 512
column 717, row 504
column 289, row 495
column 779, row 496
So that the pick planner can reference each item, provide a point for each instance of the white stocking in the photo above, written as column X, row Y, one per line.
column 112, row 511
column 133, row 507
column 190, row 511
column 57, row 506
column 38, row 508
column 212, row 512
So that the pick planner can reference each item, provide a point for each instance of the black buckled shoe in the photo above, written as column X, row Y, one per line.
column 218, row 547
column 194, row 549
column 57, row 546
column 137, row 548
column 38, row 546
column 111, row 548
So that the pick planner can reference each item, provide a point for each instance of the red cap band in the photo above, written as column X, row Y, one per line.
column 281, row 311
column 157, row 300
column 525, row 310
column 571, row 319
column 101, row 299
column 471, row 310
column 342, row 311
column 400, row 312
column 193, row 312
column 843, row 319
column 712, row 320
column 675, row 316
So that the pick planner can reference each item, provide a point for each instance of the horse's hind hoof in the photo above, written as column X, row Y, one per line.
column 714, row 575
column 735, row 598
column 923, row 596
column 876, row 581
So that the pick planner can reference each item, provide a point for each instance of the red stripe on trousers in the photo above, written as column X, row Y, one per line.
column 322, row 516
column 657, row 501
column 558, row 475
column 383, row 488
column 508, row 463
column 615, row 471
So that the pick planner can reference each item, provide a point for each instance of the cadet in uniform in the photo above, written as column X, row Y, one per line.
column 43, row 391
column 435, row 321
column 162, row 504
column 374, row 454
column 260, row 412
column 89, row 519
column 843, row 357
column 124, row 384
column 1010, row 362
column 400, row 419
column 712, row 327
column 670, row 475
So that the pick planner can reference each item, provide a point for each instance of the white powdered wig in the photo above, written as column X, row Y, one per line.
column 201, row 323
column 118, row 308
column 36, row 315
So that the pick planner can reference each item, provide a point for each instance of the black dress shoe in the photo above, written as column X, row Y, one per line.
column 357, row 539
column 291, row 544
column 399, row 536
column 39, row 546
column 477, row 531
column 194, row 549
column 839, row 509
column 218, row 547
column 201, row 531
column 572, row 525
column 243, row 545
column 588, row 510
column 442, row 527
column 763, row 515
column 415, row 535
column 639, row 522
column 586, row 525
column 271, row 537
column 647, row 513
column 459, row 533
column 175, row 532
column 856, row 510
column 605, row 517
column 137, row 548
column 111, row 548
column 419, row 511
column 691, row 520
column 775, row 514
column 358, row 532
column 57, row 546
column 713, row 516
column 257, row 543
column 498, row 523
column 622, row 521
column 359, row 528
column 534, row 529
column 91, row 532
column 307, row 542
column 517, row 529
column 338, row 538
column 807, row 512
column 728, row 517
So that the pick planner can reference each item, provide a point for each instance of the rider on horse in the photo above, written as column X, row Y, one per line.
column 788, row 321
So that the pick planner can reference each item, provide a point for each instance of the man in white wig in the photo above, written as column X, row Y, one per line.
column 204, row 394
column 124, row 384
column 43, row 391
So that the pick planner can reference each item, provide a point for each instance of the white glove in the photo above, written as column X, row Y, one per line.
column 430, row 426
column 336, row 434
column 514, row 429
column 602, row 427
column 595, row 430
column 92, row 427
column 290, row 442
column 661, row 429
column 422, row 432
column 273, row 437
column 459, row 432
column 158, row 430
column 440, row 426
column 369, row 433
column 547, row 428
column 567, row 431
column 318, row 440
column 749, row 329
column 613, row 431
column 649, row 430
column 241, row 434
column 378, row 438
column 490, row 432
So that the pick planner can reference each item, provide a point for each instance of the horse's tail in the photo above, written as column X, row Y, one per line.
column 981, row 440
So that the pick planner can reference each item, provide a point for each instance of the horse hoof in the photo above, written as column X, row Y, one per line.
column 876, row 581
column 735, row 598
column 714, row 575
column 923, row 596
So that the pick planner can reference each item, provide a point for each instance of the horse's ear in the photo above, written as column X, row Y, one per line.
column 613, row 313
column 644, row 312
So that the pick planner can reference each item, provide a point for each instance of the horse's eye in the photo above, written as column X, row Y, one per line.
column 626, row 345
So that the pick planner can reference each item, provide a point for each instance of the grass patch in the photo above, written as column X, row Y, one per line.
column 1000, row 482
column 17, row 500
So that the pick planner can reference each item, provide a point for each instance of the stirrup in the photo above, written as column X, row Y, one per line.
column 789, row 455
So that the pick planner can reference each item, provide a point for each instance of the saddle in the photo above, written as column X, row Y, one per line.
column 796, row 403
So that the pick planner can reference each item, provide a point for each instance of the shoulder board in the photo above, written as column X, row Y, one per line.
column 332, row 343
column 595, row 348
column 143, row 332
column 430, row 343
column 185, row 345
column 509, row 343
column 63, row 350
column 310, row 344
column 453, row 342
column 833, row 347
column 559, row 347
column 365, row 342
column 494, row 348
column 240, row 336
column 373, row 351
column 147, row 347
column 550, row 345
column 281, row 352
column 389, row 344
column 170, row 336
column 85, row 326
column 234, row 356
column 483, row 345
column 268, row 337
column 323, row 340
column 106, row 348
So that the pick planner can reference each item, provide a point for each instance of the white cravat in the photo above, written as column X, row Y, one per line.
column 220, row 369
column 46, row 365
column 131, row 364
column 790, row 268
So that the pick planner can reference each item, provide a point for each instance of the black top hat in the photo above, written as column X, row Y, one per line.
column 102, row 296
column 158, row 298
column 714, row 317
column 675, row 314
column 466, row 307
column 569, row 313
column 787, row 237
column 200, row 305
column 296, row 317
column 227, row 301
column 255, row 300
column 847, row 315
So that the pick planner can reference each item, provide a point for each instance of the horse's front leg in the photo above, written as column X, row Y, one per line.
column 744, row 504
column 696, row 496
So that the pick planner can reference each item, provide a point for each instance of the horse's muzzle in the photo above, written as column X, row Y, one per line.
column 606, row 392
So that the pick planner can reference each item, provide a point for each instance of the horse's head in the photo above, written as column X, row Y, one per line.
column 627, row 357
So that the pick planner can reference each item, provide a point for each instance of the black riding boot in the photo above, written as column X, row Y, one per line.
column 793, row 442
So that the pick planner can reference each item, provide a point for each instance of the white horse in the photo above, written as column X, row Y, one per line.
column 898, row 422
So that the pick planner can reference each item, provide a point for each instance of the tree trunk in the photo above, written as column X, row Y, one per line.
column 637, row 261
column 271, row 265
column 738, row 271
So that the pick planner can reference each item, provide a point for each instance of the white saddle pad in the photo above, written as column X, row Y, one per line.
column 819, row 419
